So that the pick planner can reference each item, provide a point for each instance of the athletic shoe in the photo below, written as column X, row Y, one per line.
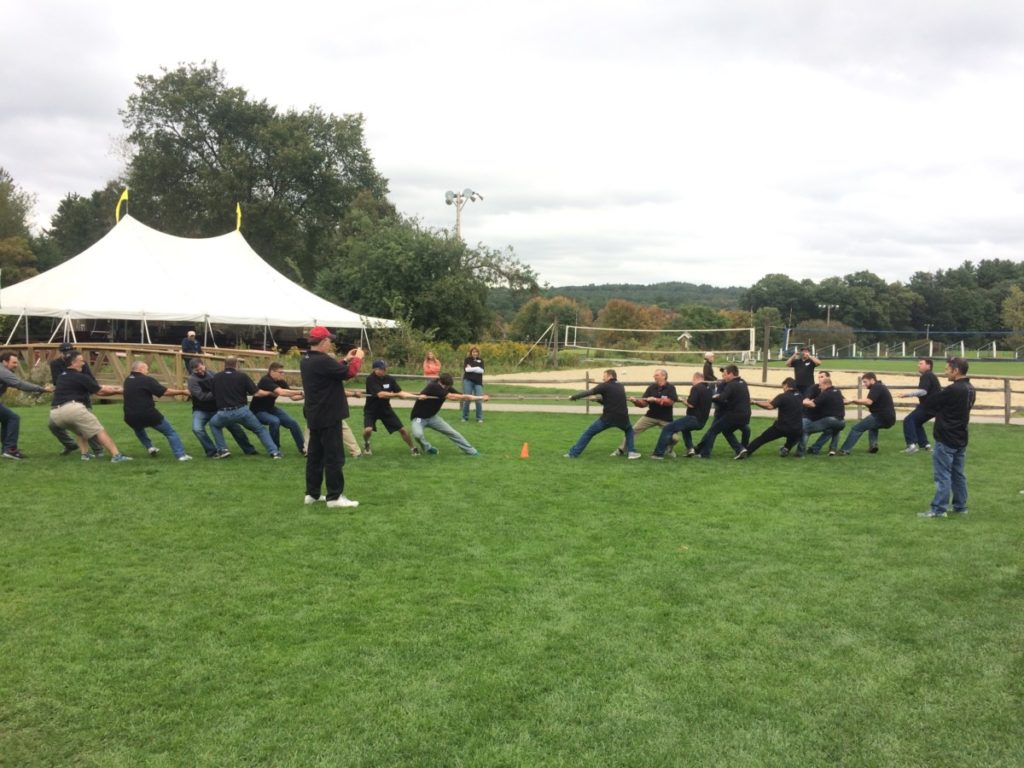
column 432, row 451
column 958, row 511
column 931, row 513
column 912, row 448
column 311, row 499
column 618, row 452
column 12, row 453
column 873, row 449
column 275, row 455
column 928, row 447
column 633, row 455
column 671, row 453
column 479, row 421
column 841, row 452
column 186, row 457
column 119, row 458
column 568, row 456
column 832, row 453
column 341, row 501
column 414, row 451
column 366, row 449
column 783, row 452
column 153, row 451
column 88, row 456
column 741, row 455
column 691, row 452
column 68, row 449
column 98, row 454
column 656, row 457
column 222, row 454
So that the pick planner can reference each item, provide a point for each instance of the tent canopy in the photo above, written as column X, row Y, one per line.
column 138, row 273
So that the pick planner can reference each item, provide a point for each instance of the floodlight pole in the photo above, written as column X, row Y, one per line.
column 828, row 312
column 459, row 200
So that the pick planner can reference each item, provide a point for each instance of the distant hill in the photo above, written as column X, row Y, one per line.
column 667, row 295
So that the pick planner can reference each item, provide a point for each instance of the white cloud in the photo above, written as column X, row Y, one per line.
column 708, row 142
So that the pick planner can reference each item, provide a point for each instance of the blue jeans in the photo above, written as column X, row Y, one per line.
column 830, row 427
column 596, row 428
column 243, row 416
column 913, row 427
column 278, row 418
column 684, row 424
column 469, row 388
column 722, row 427
column 950, row 479
column 199, row 421
column 868, row 424
column 10, row 425
column 440, row 425
column 165, row 429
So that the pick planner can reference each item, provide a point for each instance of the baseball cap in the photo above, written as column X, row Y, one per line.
column 730, row 369
column 379, row 364
column 66, row 347
column 319, row 333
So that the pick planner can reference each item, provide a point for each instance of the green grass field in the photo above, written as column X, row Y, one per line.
column 509, row 612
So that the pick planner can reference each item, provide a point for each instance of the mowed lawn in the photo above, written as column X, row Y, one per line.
column 504, row 611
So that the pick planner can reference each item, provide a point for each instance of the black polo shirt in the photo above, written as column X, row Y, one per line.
column 231, row 389
column 661, row 412
column 73, row 386
column 803, row 372
column 139, row 409
column 790, row 407
column 699, row 403
column 830, row 404
column 882, row 407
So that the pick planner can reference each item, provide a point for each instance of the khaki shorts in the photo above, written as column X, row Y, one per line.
column 77, row 418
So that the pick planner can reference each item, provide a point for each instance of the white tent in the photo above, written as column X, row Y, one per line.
column 138, row 273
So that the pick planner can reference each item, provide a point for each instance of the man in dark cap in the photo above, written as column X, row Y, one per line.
column 380, row 388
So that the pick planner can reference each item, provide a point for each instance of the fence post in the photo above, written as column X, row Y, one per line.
column 1007, row 405
column 586, row 385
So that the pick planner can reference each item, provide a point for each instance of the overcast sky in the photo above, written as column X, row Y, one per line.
column 710, row 142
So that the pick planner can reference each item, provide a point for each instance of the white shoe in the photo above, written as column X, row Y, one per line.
column 912, row 448
column 186, row 457
column 153, row 450
column 341, row 501
column 311, row 499
column 633, row 455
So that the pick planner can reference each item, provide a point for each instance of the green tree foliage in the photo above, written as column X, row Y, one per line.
column 619, row 313
column 539, row 312
column 17, row 259
column 201, row 146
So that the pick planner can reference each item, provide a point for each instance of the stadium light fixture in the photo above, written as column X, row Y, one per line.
column 459, row 200
column 828, row 312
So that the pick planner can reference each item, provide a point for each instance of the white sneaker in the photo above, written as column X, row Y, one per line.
column 633, row 455
column 311, row 499
column 341, row 501
column 186, row 457
column 912, row 448
column 153, row 450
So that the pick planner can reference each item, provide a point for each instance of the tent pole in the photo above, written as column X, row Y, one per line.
column 15, row 327
column 264, row 338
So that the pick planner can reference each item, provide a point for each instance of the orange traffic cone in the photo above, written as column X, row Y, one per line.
column 525, row 453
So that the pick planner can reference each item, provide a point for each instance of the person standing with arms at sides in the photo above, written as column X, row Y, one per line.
column 614, row 413
column 789, row 424
column 57, row 366
column 803, row 364
column 473, row 383
column 323, row 381
column 10, row 422
column 68, row 409
column 951, row 408
column 140, row 411
column 426, row 410
column 709, row 368
column 266, row 410
column 431, row 366
column 913, row 423
column 881, row 415
column 190, row 346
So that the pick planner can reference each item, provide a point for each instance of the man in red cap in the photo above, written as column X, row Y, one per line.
column 323, row 380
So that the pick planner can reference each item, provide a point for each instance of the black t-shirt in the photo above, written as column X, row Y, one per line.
column 790, row 407
column 952, row 410
column 73, row 386
column 269, row 402
column 882, row 406
column 615, row 410
column 59, row 365
column 424, row 409
column 803, row 372
column 661, row 412
column 374, row 384
column 323, row 381
column 699, row 401
column 734, row 399
column 929, row 382
column 231, row 389
column 830, row 403
column 139, row 409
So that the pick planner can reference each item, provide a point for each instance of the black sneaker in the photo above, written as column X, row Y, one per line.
column 873, row 449
column 741, row 455
column 68, row 449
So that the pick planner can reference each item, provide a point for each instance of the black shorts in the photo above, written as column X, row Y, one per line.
column 389, row 419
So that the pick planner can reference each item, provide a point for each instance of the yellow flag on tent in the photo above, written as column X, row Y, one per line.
column 120, row 201
column 238, row 216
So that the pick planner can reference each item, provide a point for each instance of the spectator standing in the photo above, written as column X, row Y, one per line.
column 952, row 411
column 473, row 383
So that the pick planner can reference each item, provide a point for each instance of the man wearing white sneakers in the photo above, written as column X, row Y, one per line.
column 140, row 411
column 323, row 381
